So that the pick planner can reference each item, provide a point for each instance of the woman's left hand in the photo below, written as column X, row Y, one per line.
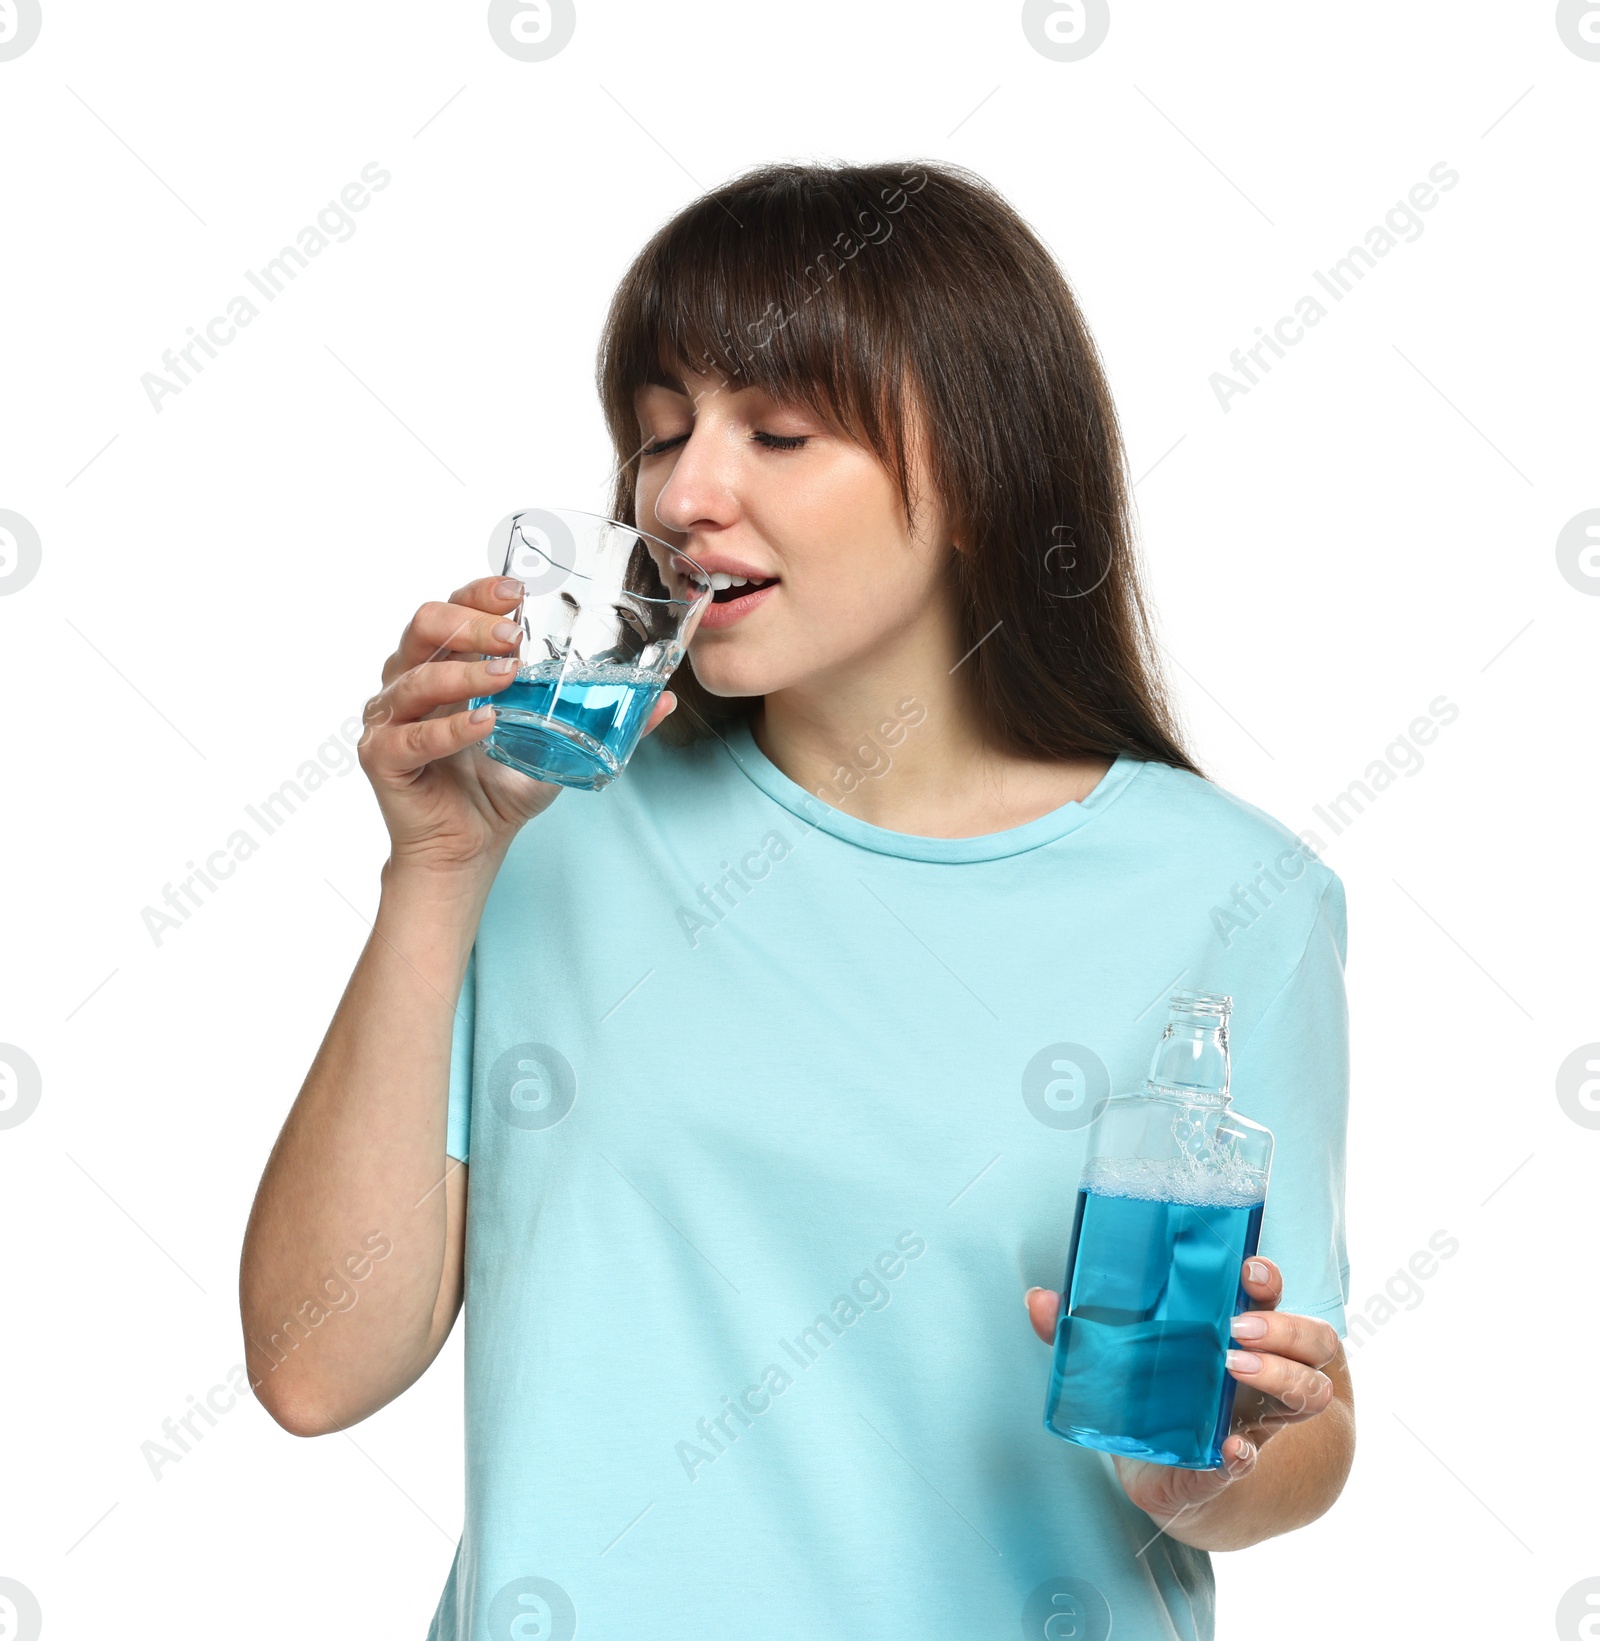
column 1277, row 1365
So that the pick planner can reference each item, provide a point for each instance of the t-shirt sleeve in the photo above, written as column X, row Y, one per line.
column 1293, row 1074
column 458, row 1124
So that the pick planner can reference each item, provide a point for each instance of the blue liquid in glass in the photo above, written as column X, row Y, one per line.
column 1151, row 1290
column 576, row 726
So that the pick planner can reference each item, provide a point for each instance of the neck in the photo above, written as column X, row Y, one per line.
column 897, row 741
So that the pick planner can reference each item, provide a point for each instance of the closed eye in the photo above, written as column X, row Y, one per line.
column 768, row 441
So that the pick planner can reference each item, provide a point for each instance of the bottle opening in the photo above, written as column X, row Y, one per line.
column 1210, row 1005
column 1191, row 1059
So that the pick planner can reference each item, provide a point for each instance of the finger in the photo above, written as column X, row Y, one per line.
column 1282, row 1333
column 1239, row 1457
column 398, row 753
column 1044, row 1308
column 438, row 631
column 441, row 629
column 491, row 592
column 1263, row 1281
column 1300, row 1392
column 664, row 708
column 434, row 684
column 1166, row 1494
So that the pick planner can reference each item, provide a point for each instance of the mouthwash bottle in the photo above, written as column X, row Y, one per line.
column 1169, row 1208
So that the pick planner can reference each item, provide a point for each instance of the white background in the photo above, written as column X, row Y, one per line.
column 1373, row 526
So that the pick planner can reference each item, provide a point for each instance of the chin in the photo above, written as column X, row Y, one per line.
column 730, row 675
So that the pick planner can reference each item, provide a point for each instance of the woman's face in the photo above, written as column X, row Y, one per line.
column 751, row 488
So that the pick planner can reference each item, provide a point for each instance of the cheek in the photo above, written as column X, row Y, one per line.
column 872, row 592
column 849, row 556
column 869, row 579
column 853, row 579
column 645, row 492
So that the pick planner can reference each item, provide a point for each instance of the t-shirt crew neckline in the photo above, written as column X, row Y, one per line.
column 1047, row 828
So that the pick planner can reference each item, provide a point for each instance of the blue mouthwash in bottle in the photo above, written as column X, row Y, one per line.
column 1168, row 1210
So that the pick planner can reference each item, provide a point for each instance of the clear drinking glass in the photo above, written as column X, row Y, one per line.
column 607, row 614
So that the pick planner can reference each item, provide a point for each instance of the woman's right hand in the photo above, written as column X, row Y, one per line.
column 448, row 807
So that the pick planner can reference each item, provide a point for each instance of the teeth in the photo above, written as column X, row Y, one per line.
column 720, row 580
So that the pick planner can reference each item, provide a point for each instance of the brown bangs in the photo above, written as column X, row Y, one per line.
column 773, row 283
column 874, row 293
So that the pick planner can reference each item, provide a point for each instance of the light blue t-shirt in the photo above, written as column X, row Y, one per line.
column 774, row 1115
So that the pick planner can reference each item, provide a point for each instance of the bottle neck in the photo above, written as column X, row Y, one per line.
column 1191, row 1061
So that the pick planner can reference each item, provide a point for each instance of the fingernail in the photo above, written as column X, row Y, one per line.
column 500, row 663
column 478, row 714
column 1027, row 1299
column 1249, row 1326
column 1258, row 1271
column 1243, row 1361
column 504, row 631
column 509, row 588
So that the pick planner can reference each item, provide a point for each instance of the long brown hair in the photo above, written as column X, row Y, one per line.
column 883, row 296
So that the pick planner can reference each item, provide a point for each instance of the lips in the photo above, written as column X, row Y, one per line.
column 736, row 590
column 725, row 611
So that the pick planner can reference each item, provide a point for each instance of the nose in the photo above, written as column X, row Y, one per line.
column 699, row 491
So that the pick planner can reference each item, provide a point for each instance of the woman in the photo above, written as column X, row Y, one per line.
column 746, row 1050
